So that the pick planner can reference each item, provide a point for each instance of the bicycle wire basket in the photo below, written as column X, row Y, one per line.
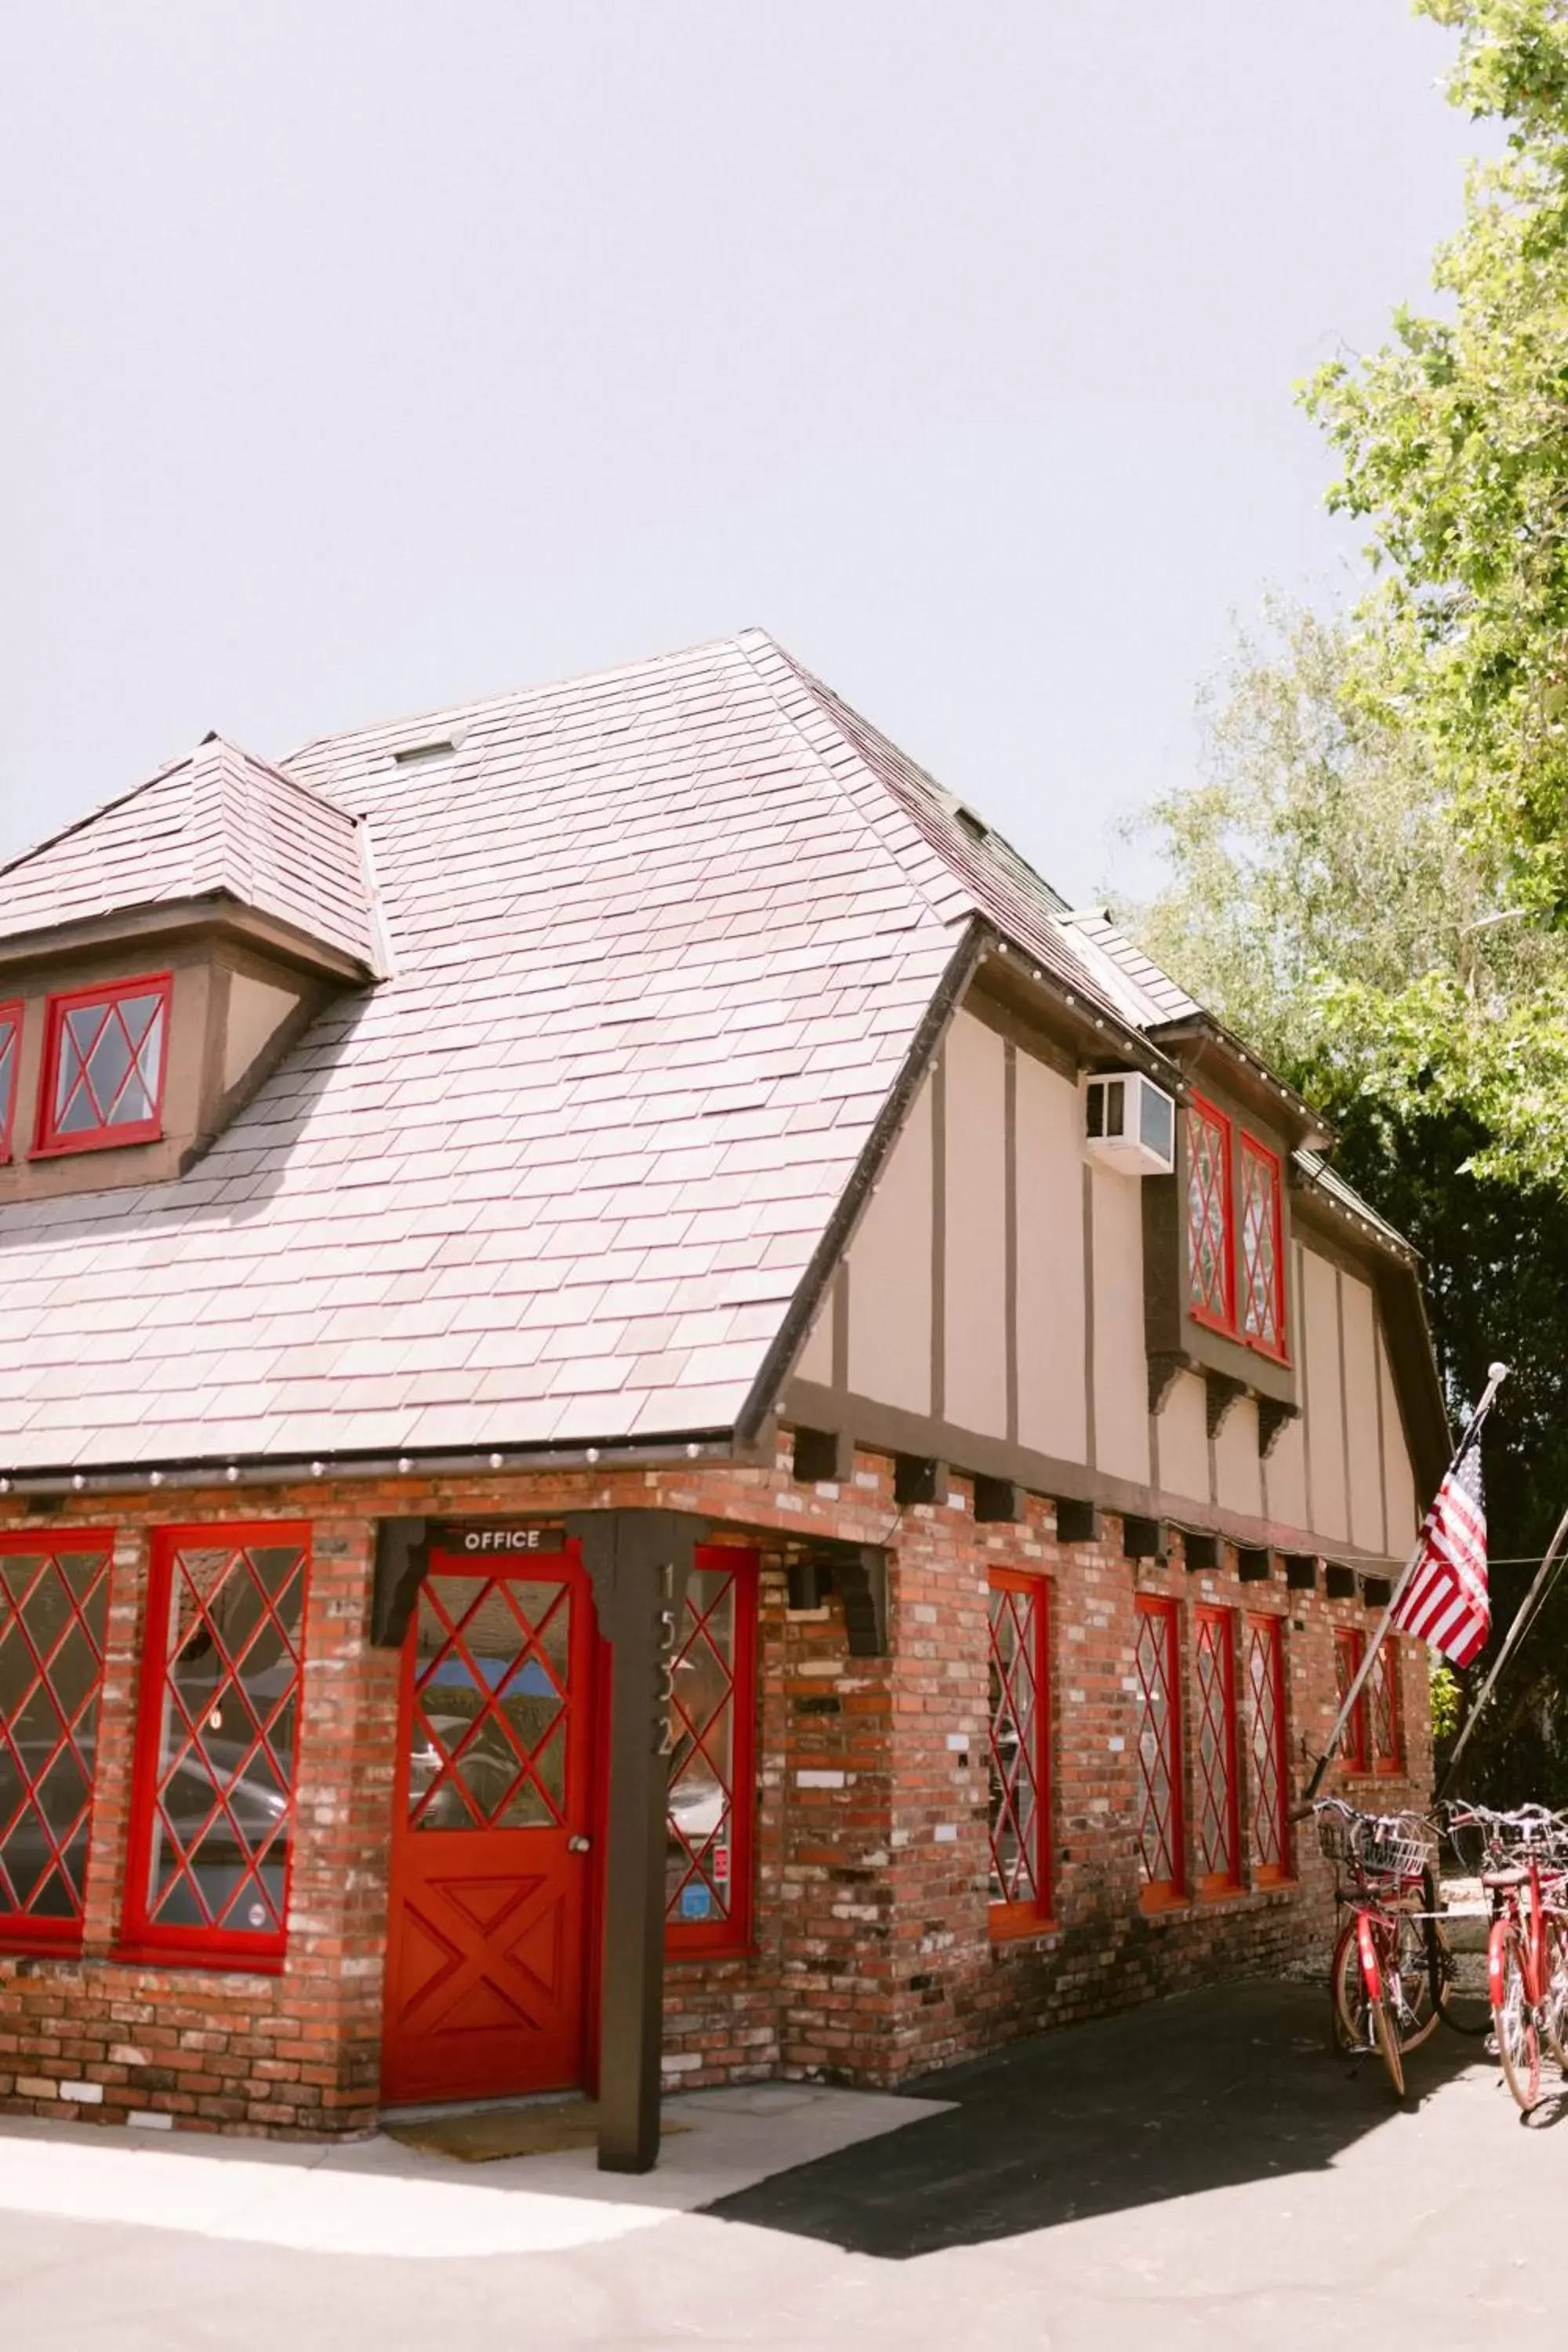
column 1398, row 1846
column 1336, row 1834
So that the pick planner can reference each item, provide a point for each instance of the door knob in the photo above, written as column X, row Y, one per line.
column 578, row 1844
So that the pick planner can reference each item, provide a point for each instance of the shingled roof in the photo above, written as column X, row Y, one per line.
column 659, row 944
column 219, row 823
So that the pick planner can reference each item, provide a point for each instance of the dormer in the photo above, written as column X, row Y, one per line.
column 158, row 958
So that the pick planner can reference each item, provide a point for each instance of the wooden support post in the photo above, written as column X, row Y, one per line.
column 638, row 1562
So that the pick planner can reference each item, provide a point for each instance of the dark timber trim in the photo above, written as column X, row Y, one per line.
column 997, row 1500
column 863, row 1589
column 836, row 1235
column 917, row 1478
column 402, row 1563
column 1077, row 1522
column 1220, row 1392
column 891, row 1430
column 638, row 1562
column 822, row 1456
column 1271, row 1419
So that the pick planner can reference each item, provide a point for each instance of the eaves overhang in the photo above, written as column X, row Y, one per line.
column 217, row 912
column 249, row 1471
column 1195, row 1040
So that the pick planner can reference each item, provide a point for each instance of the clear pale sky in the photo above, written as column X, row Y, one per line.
column 358, row 356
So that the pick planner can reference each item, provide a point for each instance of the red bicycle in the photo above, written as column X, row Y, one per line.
column 1524, row 1870
column 1392, row 1976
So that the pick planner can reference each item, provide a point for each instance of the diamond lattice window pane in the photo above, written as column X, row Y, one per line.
column 1208, row 1221
column 490, row 1702
column 51, row 1668
column 224, row 1825
column 699, row 1815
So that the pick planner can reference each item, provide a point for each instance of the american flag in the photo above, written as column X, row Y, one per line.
column 1445, row 1601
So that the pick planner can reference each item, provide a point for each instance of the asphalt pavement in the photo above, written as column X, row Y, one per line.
column 1201, row 2172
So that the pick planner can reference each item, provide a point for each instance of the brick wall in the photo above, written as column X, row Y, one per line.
column 872, row 1960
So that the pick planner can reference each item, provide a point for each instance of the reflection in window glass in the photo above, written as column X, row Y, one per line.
column 54, row 1601
column 490, row 1697
column 223, row 1809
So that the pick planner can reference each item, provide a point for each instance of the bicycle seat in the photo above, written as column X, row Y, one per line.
column 1504, row 1877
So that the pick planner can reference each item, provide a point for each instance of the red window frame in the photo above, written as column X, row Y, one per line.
column 1204, row 1113
column 1355, row 1747
column 1216, row 1809
column 1386, row 1742
column 49, row 1139
column 10, row 1072
column 1258, row 1156
column 1157, row 1655
column 22, row 1927
column 704, row 1854
column 1022, row 1778
column 1267, row 1750
column 209, row 1945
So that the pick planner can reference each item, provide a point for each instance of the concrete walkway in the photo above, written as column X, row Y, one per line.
column 1201, row 2173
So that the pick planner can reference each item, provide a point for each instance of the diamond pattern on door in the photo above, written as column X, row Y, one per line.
column 486, row 1972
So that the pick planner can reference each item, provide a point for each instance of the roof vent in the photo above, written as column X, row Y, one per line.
column 425, row 755
column 972, row 823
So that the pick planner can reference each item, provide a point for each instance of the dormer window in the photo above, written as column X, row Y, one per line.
column 1262, row 1249
column 10, row 1055
column 1235, row 1265
column 104, row 1066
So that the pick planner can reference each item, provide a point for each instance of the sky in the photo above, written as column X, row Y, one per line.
column 362, row 356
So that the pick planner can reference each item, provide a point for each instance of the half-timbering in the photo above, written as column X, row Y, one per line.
column 654, row 1417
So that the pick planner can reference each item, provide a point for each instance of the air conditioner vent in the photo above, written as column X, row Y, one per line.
column 1129, row 1123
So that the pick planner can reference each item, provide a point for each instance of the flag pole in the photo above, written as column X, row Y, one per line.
column 1496, row 1375
column 1515, row 1633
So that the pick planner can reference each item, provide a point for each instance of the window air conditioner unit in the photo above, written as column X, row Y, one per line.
column 1130, row 1124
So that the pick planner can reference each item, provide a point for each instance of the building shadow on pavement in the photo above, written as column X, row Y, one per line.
column 1202, row 2091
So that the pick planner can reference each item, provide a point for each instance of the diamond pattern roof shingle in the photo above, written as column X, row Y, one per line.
column 660, row 942
column 219, row 823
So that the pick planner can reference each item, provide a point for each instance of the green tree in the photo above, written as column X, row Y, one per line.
column 1452, row 444
column 1326, row 896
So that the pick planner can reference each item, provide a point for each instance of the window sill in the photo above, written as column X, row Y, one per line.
column 215, row 1964
column 14, row 1946
column 1004, row 1930
column 115, row 1138
column 1159, row 1901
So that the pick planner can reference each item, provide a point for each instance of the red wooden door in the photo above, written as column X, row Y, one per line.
column 486, row 1966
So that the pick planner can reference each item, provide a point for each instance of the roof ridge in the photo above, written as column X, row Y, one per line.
column 484, row 702
column 746, row 644
column 1037, row 927
column 278, row 774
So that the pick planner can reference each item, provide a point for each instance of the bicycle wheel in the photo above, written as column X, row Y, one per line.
column 1347, row 1994
column 1555, row 2006
column 1387, row 2042
column 1464, row 2009
column 1513, row 2016
column 1408, row 1976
